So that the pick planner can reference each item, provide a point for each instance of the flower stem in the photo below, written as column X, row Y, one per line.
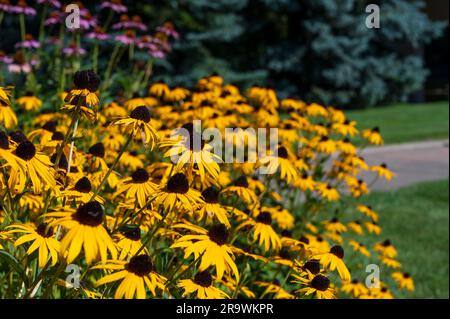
column 22, row 26
column 105, row 178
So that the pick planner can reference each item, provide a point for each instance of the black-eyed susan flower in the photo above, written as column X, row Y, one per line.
column 383, row 171
column 403, row 280
column 327, row 192
column 211, row 245
column 333, row 260
column 373, row 136
column 368, row 211
column 354, row 288
column 129, row 242
column 29, row 102
column 211, row 207
column 86, row 84
column 177, row 194
column 356, row 227
column 7, row 115
column 318, row 286
column 373, row 228
column 136, row 275
column 138, row 124
column 201, row 286
column 334, row 225
column 240, row 187
column 81, row 191
column 84, row 230
column 386, row 248
column 263, row 232
column 359, row 247
column 283, row 163
column 36, row 165
column 138, row 187
column 42, row 240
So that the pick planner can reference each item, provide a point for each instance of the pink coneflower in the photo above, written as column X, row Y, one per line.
column 128, row 38
column 126, row 23
column 98, row 34
column 73, row 50
column 168, row 29
column 157, row 53
column 4, row 58
column 53, row 3
column 5, row 6
column 114, row 5
column 145, row 42
column 55, row 17
column 87, row 22
column 20, row 64
column 23, row 8
column 54, row 40
column 28, row 43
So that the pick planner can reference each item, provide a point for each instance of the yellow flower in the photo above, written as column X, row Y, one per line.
column 263, row 231
column 84, row 229
column 333, row 260
column 202, row 287
column 136, row 275
column 211, row 246
column 42, row 239
column 138, row 124
column 404, row 280
column 29, row 102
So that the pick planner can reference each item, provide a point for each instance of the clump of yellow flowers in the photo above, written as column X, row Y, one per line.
column 146, row 213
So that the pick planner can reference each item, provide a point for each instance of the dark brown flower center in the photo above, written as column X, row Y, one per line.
column 313, row 266
column 264, row 218
column 320, row 282
column 178, row 183
column 44, row 231
column 211, row 195
column 203, row 279
column 50, row 126
column 90, row 214
column 218, row 234
column 304, row 239
column 140, row 265
column 141, row 113
column 134, row 233
column 284, row 253
column 386, row 243
column 337, row 251
column 58, row 136
column 241, row 182
column 140, row 176
column 97, row 150
column 26, row 150
column 282, row 152
column 4, row 141
column 18, row 137
column 83, row 185
column 87, row 79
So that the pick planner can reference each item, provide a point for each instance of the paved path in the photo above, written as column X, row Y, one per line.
column 413, row 163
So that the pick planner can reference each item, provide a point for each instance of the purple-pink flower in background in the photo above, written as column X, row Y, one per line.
column 114, row 5
column 28, row 43
column 128, row 38
column 55, row 17
column 4, row 58
column 53, row 3
column 126, row 23
column 20, row 64
column 98, row 34
column 6, row 6
column 23, row 8
column 73, row 50
column 168, row 29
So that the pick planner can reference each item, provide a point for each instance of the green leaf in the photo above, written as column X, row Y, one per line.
column 14, row 264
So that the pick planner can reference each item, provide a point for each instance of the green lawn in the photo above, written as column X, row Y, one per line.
column 416, row 220
column 401, row 123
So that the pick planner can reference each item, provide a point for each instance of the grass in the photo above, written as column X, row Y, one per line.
column 416, row 220
column 402, row 123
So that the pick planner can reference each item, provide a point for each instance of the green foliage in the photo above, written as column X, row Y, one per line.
column 316, row 49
